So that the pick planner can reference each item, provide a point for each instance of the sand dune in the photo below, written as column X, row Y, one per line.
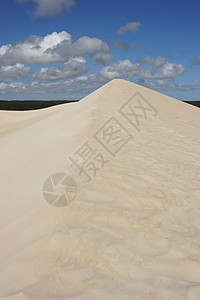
column 100, row 199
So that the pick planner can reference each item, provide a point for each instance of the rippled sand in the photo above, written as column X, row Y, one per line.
column 100, row 199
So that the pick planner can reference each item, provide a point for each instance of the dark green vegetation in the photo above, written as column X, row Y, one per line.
column 195, row 103
column 29, row 105
column 37, row 104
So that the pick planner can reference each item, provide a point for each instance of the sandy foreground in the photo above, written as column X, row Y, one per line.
column 100, row 199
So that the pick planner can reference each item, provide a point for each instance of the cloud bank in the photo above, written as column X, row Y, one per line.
column 74, row 67
column 56, row 64
column 158, row 69
column 16, row 72
column 54, row 47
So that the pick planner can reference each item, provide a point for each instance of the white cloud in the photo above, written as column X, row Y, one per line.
column 34, row 50
column 73, row 68
column 169, row 85
column 159, row 69
column 81, row 86
column 70, row 89
column 131, row 26
column 69, row 79
column 4, row 48
column 13, row 87
column 123, row 68
column 51, row 8
column 3, row 87
column 169, row 70
column 54, row 47
column 83, row 46
column 17, row 72
column 123, row 45
column 156, row 63
column 102, row 58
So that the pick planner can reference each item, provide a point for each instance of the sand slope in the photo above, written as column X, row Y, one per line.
column 133, row 229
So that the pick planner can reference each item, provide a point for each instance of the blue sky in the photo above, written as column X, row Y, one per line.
column 65, row 49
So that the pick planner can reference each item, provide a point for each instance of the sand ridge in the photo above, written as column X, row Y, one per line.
column 132, row 230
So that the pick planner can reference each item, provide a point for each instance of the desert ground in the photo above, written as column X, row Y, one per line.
column 100, row 199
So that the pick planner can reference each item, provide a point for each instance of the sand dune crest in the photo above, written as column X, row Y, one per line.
column 100, row 199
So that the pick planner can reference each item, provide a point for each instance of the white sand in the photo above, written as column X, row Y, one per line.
column 133, row 230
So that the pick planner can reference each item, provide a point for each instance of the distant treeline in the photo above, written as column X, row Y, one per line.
column 195, row 103
column 30, row 104
column 37, row 104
